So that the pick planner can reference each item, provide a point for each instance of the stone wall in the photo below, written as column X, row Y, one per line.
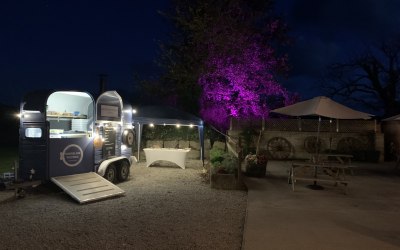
column 299, row 145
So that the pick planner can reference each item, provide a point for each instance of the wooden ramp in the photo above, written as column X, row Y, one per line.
column 87, row 187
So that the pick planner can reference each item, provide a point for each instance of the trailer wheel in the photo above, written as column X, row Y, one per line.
column 111, row 173
column 123, row 171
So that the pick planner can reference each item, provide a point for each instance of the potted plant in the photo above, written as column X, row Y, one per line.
column 255, row 163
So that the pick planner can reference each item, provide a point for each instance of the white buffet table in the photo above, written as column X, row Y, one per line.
column 177, row 156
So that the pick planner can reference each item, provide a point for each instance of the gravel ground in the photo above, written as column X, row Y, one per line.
column 164, row 208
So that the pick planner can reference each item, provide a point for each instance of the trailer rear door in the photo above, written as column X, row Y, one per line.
column 87, row 187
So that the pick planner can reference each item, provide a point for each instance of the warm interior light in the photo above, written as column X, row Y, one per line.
column 151, row 125
column 191, row 125
column 178, row 125
column 133, row 111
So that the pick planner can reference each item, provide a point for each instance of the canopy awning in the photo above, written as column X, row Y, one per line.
column 165, row 115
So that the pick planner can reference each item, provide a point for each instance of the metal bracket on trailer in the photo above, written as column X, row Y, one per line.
column 19, row 188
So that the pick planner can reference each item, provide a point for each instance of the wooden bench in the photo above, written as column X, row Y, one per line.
column 332, row 173
column 336, row 158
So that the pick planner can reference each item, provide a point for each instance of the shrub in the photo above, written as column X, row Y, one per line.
column 216, row 155
column 229, row 164
column 223, row 162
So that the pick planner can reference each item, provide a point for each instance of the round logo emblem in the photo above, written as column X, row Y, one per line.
column 72, row 155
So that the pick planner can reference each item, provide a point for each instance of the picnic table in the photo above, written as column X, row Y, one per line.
column 335, row 158
column 317, row 172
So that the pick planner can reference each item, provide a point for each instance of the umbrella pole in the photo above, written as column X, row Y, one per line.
column 318, row 132
column 315, row 186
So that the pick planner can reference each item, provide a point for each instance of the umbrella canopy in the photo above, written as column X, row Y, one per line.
column 321, row 106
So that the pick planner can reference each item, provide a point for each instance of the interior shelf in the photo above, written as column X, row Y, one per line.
column 68, row 116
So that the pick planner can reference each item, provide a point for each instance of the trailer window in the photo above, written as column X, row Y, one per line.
column 33, row 132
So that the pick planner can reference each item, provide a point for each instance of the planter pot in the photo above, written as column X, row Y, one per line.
column 223, row 181
column 258, row 170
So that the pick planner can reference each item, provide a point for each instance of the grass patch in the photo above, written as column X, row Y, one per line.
column 7, row 157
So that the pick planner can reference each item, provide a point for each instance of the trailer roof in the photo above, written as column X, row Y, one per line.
column 165, row 115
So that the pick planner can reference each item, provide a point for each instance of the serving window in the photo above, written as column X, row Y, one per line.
column 70, row 114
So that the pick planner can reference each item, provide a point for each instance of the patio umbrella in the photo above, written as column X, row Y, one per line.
column 392, row 118
column 321, row 106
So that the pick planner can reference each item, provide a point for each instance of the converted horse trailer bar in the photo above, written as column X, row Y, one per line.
column 68, row 138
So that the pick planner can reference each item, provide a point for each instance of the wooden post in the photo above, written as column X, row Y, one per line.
column 240, row 160
column 263, row 123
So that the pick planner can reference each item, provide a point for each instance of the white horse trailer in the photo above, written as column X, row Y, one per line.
column 68, row 138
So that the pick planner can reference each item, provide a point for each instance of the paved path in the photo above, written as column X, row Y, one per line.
column 368, row 217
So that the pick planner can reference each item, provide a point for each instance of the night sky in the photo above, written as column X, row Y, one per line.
column 332, row 31
column 67, row 44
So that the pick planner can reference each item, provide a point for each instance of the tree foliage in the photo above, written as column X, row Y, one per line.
column 241, row 67
column 224, row 54
column 371, row 79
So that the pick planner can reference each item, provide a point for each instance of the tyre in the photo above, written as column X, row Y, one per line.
column 111, row 173
column 128, row 137
column 123, row 171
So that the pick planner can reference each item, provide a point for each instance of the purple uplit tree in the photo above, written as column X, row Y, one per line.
column 224, row 59
column 240, row 81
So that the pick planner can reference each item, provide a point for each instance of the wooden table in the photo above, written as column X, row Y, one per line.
column 335, row 158
column 175, row 155
column 318, row 172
